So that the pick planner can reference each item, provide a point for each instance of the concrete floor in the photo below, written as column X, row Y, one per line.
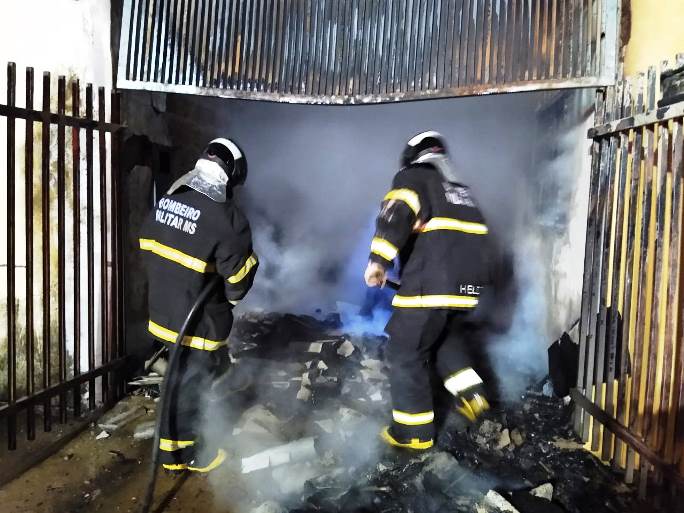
column 107, row 475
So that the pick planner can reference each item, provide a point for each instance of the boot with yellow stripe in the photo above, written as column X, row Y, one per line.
column 405, row 443
column 472, row 405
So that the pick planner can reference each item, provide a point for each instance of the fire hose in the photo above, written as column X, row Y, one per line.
column 168, row 384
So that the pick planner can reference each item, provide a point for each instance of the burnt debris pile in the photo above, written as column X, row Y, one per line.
column 301, row 409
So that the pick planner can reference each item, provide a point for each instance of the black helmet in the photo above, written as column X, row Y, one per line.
column 230, row 157
column 421, row 144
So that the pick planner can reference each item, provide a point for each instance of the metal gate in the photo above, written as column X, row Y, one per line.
column 61, row 260
column 630, row 391
column 365, row 51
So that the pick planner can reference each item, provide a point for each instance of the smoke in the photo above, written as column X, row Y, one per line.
column 316, row 178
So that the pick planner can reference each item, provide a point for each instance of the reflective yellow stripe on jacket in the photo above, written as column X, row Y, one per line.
column 407, row 196
column 448, row 223
column 176, row 256
column 194, row 342
column 384, row 248
column 244, row 270
column 434, row 301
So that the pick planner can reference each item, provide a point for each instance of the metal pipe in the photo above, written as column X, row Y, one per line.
column 28, row 195
column 61, row 244
column 90, row 257
column 11, row 255
column 45, row 227
column 76, row 229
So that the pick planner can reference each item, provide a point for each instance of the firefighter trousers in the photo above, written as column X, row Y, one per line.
column 180, row 434
column 420, row 337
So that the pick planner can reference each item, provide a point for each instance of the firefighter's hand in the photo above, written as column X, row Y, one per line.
column 374, row 275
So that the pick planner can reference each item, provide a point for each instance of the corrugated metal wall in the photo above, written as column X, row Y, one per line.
column 360, row 51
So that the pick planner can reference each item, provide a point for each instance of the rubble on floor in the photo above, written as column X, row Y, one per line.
column 304, row 403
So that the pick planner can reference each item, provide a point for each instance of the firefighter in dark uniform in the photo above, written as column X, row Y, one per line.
column 195, row 232
column 432, row 225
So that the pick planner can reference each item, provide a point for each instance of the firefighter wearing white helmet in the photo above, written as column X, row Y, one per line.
column 196, row 231
column 430, row 223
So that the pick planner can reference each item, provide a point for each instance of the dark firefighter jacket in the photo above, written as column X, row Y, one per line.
column 440, row 237
column 186, row 239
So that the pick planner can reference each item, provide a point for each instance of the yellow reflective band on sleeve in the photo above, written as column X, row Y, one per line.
column 194, row 342
column 385, row 249
column 175, row 256
column 407, row 196
column 413, row 419
column 244, row 270
column 462, row 380
column 436, row 301
column 174, row 445
column 447, row 223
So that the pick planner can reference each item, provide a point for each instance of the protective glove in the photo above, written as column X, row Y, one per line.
column 375, row 275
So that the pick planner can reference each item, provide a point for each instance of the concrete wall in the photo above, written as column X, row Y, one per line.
column 64, row 37
column 654, row 31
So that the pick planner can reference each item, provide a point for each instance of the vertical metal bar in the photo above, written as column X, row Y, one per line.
column 511, row 50
column 233, row 45
column 590, row 263
column 414, row 55
column 551, row 41
column 61, row 242
column 633, row 139
column 464, row 47
column 661, row 263
column 601, row 338
column 646, row 274
column 153, row 47
column 118, row 345
column 172, row 63
column 28, row 201
column 524, row 44
column 636, row 341
column 491, row 76
column 678, row 398
column 137, row 41
column 669, row 398
column 322, row 85
column 486, row 42
column 166, row 46
column 76, row 194
column 11, row 259
column 472, row 42
column 456, row 37
column 594, row 340
column 222, row 52
column 104, row 233
column 535, row 40
column 45, row 215
column 250, row 52
column 561, row 20
column 381, row 63
column 502, row 46
column 545, row 60
column 618, row 261
column 90, row 229
column 129, row 25
column 312, row 39
column 478, row 42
